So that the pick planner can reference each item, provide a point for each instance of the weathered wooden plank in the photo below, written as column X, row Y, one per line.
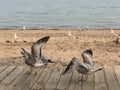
column 13, row 75
column 32, row 78
column 42, row 80
column 2, row 68
column 6, row 72
column 89, row 83
column 74, row 83
column 19, row 81
column 117, row 72
column 111, row 78
column 100, row 83
column 13, row 78
column 39, row 72
column 64, row 81
column 53, row 80
column 9, row 79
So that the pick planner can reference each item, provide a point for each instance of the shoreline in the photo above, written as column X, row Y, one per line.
column 63, row 29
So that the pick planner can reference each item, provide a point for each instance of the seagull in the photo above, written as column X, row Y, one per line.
column 16, row 38
column 79, row 28
column 40, row 27
column 36, row 58
column 115, row 35
column 24, row 27
column 87, row 28
column 70, row 34
column 85, row 68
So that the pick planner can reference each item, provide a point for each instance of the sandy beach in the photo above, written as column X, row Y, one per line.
column 61, row 47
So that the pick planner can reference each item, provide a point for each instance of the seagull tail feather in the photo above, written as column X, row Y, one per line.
column 50, row 61
column 98, row 69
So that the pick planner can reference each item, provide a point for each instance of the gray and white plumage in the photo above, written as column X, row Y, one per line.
column 36, row 58
column 117, row 36
column 85, row 68
column 113, row 33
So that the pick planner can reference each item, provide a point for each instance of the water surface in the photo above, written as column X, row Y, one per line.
column 59, row 14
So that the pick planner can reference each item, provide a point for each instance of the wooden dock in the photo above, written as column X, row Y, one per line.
column 24, row 78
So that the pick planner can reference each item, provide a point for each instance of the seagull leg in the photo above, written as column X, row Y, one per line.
column 35, row 72
column 29, row 71
column 81, row 80
column 85, row 78
column 31, row 68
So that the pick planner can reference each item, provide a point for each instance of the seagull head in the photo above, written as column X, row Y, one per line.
column 88, row 51
column 74, row 58
column 24, row 53
column 15, row 36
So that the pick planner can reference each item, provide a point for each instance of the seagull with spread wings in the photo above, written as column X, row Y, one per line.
column 85, row 68
column 36, row 58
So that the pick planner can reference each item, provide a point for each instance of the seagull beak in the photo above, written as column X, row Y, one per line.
column 22, row 51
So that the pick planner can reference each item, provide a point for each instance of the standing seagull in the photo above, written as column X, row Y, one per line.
column 24, row 27
column 16, row 38
column 85, row 68
column 36, row 58
column 70, row 34
column 113, row 33
column 117, row 36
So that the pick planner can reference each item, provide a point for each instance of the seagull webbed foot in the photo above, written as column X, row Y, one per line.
column 85, row 77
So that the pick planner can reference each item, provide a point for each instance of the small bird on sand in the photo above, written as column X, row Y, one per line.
column 24, row 27
column 16, row 38
column 113, row 33
column 79, row 28
column 85, row 68
column 117, row 36
column 36, row 58
column 70, row 34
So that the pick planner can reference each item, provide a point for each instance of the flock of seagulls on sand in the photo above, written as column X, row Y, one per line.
column 36, row 58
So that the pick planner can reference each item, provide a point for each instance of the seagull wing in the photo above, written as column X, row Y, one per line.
column 36, row 48
column 87, row 57
column 80, row 67
column 69, row 68
column 28, row 58
column 95, row 70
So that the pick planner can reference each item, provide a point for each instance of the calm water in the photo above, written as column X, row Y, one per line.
column 59, row 14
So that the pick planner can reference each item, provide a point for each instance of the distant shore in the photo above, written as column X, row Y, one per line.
column 63, row 29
